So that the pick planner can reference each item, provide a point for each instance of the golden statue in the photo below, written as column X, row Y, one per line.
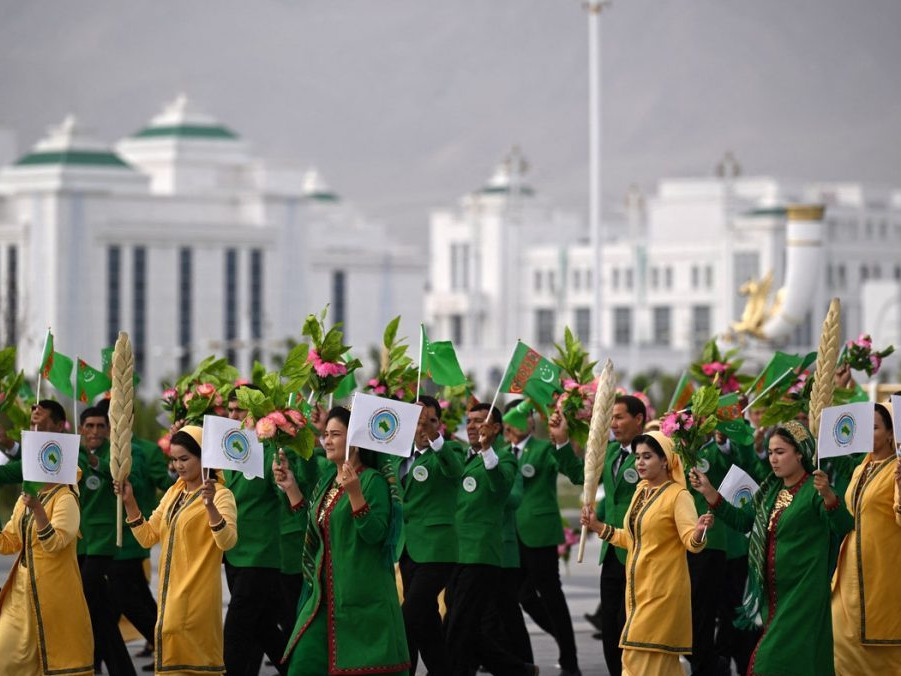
column 758, row 308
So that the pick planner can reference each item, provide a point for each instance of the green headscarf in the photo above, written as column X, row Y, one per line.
column 749, row 616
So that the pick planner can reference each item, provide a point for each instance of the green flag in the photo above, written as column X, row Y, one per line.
column 518, row 416
column 90, row 383
column 530, row 374
column 347, row 385
column 776, row 369
column 106, row 365
column 439, row 361
column 56, row 367
column 682, row 394
column 731, row 422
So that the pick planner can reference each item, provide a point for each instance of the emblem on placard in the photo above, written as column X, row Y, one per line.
column 742, row 497
column 469, row 484
column 528, row 471
column 383, row 425
column 51, row 458
column 703, row 465
column 236, row 446
column 92, row 482
column 420, row 473
column 631, row 475
column 844, row 429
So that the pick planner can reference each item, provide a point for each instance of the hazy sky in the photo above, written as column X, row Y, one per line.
column 406, row 104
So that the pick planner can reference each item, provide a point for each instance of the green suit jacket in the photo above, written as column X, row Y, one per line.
column 97, row 503
column 509, row 539
column 258, row 517
column 618, row 491
column 538, row 521
column 429, row 495
column 715, row 464
column 482, row 494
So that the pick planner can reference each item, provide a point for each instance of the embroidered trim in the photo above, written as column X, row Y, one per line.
column 137, row 522
column 716, row 503
column 46, row 532
column 219, row 526
column 300, row 505
column 363, row 511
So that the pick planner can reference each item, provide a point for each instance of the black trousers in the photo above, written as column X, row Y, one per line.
column 733, row 643
column 131, row 596
column 613, row 610
column 541, row 596
column 108, row 643
column 425, row 635
column 251, row 622
column 473, row 587
column 291, row 586
column 506, row 614
column 707, row 570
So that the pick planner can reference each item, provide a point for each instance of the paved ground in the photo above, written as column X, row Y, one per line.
column 580, row 583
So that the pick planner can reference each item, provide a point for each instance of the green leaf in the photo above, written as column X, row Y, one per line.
column 312, row 327
column 704, row 401
column 255, row 402
column 391, row 332
column 257, row 373
column 708, row 426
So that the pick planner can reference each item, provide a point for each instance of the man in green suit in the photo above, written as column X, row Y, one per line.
column 618, row 478
column 97, row 503
column 253, row 568
column 539, row 529
column 427, row 549
column 482, row 493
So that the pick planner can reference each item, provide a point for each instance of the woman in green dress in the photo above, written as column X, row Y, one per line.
column 349, row 619
column 790, row 519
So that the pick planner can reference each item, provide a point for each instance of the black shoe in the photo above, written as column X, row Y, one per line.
column 148, row 667
column 597, row 636
column 594, row 620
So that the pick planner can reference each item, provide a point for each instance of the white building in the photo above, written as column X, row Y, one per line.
column 184, row 239
column 505, row 265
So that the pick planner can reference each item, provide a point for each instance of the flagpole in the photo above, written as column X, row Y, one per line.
column 75, row 397
column 419, row 372
column 501, row 384
column 41, row 367
column 772, row 385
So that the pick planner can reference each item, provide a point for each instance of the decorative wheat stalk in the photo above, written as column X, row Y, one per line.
column 596, row 448
column 827, row 358
column 121, row 415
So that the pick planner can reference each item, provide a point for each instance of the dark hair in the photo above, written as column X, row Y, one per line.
column 233, row 395
column 496, row 416
column 513, row 404
column 432, row 403
column 55, row 409
column 783, row 433
column 341, row 413
column 186, row 441
column 93, row 412
column 103, row 407
column 886, row 417
column 634, row 406
column 651, row 443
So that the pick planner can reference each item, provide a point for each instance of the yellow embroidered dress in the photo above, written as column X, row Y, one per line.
column 45, row 628
column 189, row 596
column 866, row 595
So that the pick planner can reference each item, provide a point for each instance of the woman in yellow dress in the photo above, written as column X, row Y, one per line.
column 660, row 525
column 194, row 523
column 866, row 596
column 44, row 623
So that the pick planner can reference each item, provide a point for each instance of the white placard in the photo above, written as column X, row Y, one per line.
column 896, row 422
column 845, row 430
column 737, row 487
column 382, row 425
column 227, row 444
column 50, row 457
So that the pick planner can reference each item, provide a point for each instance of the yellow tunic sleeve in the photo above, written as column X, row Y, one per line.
column 226, row 536
column 10, row 538
column 621, row 538
column 686, row 518
column 147, row 531
column 63, row 525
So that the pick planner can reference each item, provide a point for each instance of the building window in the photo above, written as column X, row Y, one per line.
column 583, row 324
column 804, row 332
column 668, row 277
column 113, row 302
column 830, row 281
column 622, row 325
column 615, row 277
column 655, row 277
column 12, row 294
column 898, row 272
column 695, row 277
column 185, row 307
column 139, row 300
column 877, row 272
column 577, row 280
column 456, row 329
column 662, row 329
column 231, row 305
column 629, row 279
column 256, row 302
column 459, row 267
column 864, row 273
column 708, row 276
column 339, row 297
column 842, row 276
column 551, row 281
column 537, row 280
column 588, row 280
column 700, row 326
column 544, row 327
